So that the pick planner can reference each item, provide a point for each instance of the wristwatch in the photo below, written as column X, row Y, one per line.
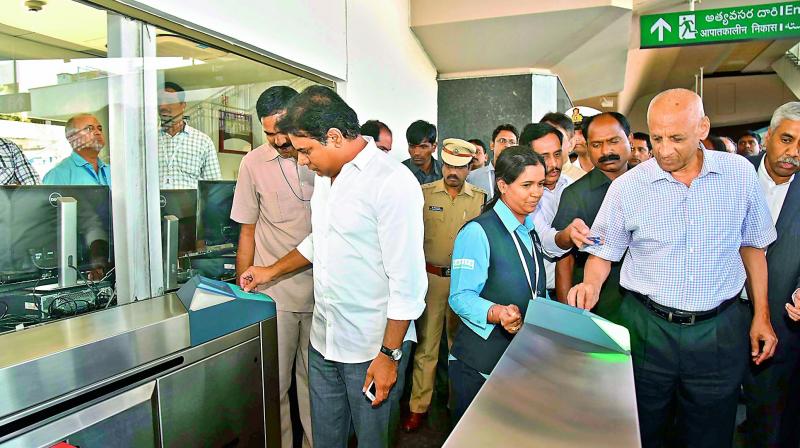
column 394, row 355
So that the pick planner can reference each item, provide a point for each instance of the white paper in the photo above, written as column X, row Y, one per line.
column 204, row 299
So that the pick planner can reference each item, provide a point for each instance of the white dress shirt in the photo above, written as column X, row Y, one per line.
column 543, row 217
column 366, row 246
column 774, row 194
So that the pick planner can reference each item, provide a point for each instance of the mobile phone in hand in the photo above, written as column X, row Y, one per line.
column 370, row 392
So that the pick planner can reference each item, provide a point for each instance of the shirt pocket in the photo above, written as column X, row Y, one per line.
column 191, row 163
column 272, row 207
column 282, row 206
column 433, row 219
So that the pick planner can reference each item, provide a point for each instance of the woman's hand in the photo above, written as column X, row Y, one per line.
column 510, row 318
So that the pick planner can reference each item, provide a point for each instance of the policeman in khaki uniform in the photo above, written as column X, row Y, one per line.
column 449, row 203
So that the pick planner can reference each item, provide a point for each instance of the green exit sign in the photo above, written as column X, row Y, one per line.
column 710, row 26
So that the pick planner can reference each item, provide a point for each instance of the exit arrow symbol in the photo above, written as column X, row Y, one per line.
column 660, row 25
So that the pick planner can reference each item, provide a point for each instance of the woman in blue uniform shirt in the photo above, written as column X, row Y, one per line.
column 497, row 268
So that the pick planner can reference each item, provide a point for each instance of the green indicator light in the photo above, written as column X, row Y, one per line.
column 610, row 357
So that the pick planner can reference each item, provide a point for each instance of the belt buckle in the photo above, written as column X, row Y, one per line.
column 691, row 322
column 446, row 272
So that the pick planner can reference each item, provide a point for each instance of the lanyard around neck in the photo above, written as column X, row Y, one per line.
column 525, row 263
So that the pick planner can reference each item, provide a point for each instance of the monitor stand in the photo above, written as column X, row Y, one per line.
column 67, row 241
column 169, row 250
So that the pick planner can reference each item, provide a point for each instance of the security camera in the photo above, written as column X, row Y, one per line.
column 35, row 5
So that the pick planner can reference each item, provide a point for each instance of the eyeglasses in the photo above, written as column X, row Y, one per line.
column 506, row 141
column 92, row 128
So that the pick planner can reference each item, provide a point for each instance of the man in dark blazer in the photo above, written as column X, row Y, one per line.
column 772, row 389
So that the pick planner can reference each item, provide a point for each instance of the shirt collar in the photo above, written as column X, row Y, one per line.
column 509, row 220
column 598, row 178
column 710, row 165
column 363, row 158
column 560, row 184
column 269, row 152
column 185, row 130
column 466, row 189
column 436, row 167
column 80, row 161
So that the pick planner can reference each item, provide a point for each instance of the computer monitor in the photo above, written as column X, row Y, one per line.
column 182, row 204
column 30, row 225
column 214, row 202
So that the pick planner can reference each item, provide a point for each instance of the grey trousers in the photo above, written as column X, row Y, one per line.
column 294, row 331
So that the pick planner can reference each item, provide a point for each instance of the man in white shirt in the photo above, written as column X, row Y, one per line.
column 567, row 128
column 369, row 268
column 546, row 141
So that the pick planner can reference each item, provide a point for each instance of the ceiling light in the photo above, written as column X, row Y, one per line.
column 35, row 5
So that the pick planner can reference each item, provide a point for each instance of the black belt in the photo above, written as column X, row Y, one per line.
column 677, row 316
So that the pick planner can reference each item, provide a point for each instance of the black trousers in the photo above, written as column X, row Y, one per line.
column 772, row 393
column 688, row 375
column 465, row 382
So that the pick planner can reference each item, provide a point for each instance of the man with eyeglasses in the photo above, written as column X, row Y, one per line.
column 84, row 166
column 421, row 137
column 503, row 136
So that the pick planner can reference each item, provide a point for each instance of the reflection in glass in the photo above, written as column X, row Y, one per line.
column 207, row 102
column 56, row 244
column 33, row 231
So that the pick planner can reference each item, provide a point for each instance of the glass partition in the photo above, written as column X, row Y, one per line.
column 207, row 110
column 66, row 111
column 56, row 233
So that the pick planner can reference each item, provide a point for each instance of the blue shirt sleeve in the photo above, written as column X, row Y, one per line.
column 470, row 268
column 610, row 226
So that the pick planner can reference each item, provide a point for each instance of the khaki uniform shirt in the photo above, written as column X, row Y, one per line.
column 573, row 170
column 444, row 216
column 274, row 193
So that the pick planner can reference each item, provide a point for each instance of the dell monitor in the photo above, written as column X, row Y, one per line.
column 181, row 204
column 31, row 226
column 214, row 203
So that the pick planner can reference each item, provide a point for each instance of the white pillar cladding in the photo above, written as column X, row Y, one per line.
column 132, row 93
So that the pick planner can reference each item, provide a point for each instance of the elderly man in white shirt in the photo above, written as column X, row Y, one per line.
column 369, row 268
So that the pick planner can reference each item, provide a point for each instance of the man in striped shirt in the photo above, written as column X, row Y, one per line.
column 692, row 227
